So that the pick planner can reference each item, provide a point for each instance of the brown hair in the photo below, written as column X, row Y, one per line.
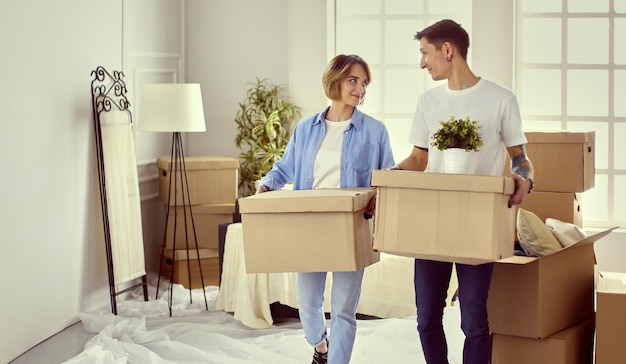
column 446, row 31
column 337, row 70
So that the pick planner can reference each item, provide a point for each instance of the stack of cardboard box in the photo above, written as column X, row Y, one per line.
column 212, row 192
column 564, row 164
column 541, row 310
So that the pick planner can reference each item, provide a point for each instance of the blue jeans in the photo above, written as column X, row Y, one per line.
column 345, row 294
column 431, row 279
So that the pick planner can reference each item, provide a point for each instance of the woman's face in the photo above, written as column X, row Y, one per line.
column 354, row 86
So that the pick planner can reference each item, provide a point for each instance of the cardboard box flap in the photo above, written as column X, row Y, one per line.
column 516, row 259
column 324, row 200
column 591, row 239
column 198, row 163
column 560, row 137
column 611, row 282
column 442, row 181
column 180, row 254
column 588, row 240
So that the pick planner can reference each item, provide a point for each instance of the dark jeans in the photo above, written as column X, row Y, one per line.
column 431, row 281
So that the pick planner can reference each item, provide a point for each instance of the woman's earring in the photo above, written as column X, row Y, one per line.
column 448, row 59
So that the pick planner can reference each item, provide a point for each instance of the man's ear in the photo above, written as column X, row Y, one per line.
column 448, row 50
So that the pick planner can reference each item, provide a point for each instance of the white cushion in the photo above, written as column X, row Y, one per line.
column 566, row 233
column 535, row 237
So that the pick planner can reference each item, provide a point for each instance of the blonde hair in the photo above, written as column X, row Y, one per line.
column 337, row 70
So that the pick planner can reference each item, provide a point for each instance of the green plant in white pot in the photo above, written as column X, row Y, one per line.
column 264, row 122
column 457, row 137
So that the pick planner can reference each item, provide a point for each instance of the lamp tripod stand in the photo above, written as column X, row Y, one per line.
column 179, row 179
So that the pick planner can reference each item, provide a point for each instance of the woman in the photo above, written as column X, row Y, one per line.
column 336, row 148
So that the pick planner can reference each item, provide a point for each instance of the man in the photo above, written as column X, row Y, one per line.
column 443, row 48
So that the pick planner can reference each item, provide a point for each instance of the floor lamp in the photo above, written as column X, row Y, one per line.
column 175, row 108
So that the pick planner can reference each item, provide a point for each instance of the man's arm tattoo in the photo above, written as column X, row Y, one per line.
column 521, row 165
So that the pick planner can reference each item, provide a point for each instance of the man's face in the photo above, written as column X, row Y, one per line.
column 434, row 61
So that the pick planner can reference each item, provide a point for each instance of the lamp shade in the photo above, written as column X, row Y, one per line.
column 171, row 107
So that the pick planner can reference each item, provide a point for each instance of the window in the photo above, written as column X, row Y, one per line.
column 571, row 75
column 382, row 31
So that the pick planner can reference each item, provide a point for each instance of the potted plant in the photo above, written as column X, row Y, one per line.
column 458, row 133
column 264, row 122
column 457, row 137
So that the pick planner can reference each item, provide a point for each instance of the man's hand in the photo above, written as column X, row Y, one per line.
column 522, row 186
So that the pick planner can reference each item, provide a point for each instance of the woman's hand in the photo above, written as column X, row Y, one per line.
column 262, row 189
column 371, row 207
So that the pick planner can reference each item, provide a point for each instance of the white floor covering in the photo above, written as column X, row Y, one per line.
column 143, row 332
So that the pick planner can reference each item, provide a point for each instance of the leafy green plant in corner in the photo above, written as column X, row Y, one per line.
column 458, row 133
column 264, row 121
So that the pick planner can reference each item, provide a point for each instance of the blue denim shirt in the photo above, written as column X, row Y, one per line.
column 365, row 147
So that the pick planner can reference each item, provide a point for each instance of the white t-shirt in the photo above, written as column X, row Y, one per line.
column 327, row 169
column 494, row 106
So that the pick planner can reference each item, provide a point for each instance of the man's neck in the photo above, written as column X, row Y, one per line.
column 462, row 77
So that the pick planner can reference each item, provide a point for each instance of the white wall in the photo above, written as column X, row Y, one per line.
column 230, row 43
column 52, row 263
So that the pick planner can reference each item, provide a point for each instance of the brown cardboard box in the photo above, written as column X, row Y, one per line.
column 183, row 266
column 307, row 231
column 611, row 318
column 446, row 217
column 212, row 180
column 574, row 345
column 563, row 161
column 563, row 206
column 206, row 219
column 537, row 297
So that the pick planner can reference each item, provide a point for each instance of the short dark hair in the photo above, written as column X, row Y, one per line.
column 337, row 70
column 446, row 30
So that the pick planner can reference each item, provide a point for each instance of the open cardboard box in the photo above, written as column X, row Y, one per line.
column 446, row 217
column 307, row 230
column 537, row 297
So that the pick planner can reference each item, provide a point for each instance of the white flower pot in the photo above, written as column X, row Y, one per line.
column 458, row 161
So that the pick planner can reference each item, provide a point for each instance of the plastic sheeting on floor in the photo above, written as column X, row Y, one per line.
column 143, row 332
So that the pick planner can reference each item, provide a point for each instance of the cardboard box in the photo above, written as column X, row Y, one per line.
column 212, row 180
column 574, row 345
column 611, row 318
column 206, row 219
column 563, row 161
column 563, row 206
column 307, row 231
column 537, row 297
column 187, row 270
column 446, row 217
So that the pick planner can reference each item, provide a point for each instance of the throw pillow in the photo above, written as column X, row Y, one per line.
column 566, row 233
column 534, row 236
